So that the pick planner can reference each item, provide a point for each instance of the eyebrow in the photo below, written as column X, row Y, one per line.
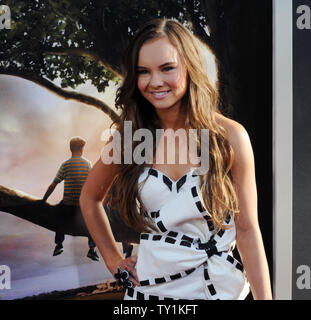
column 161, row 66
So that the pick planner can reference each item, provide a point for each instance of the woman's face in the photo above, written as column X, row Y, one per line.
column 162, row 77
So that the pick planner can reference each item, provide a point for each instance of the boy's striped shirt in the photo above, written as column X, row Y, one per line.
column 74, row 172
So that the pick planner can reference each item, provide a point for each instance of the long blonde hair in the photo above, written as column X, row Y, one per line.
column 201, row 100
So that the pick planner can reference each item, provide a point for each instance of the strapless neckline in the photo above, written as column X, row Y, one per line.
column 189, row 172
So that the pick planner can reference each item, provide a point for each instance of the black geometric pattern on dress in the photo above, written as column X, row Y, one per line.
column 200, row 206
column 173, row 234
column 227, row 220
column 210, row 248
column 153, row 172
column 181, row 182
column 145, row 296
column 168, row 182
column 202, row 210
column 155, row 215
column 235, row 262
column 170, row 237
column 209, row 283
column 176, row 238
column 161, row 226
column 180, row 239
column 210, row 223
column 167, row 278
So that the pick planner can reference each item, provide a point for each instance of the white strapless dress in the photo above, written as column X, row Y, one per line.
column 189, row 258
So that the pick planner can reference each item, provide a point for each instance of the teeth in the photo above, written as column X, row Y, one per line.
column 159, row 94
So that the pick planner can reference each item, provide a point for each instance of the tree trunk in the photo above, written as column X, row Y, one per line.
column 53, row 218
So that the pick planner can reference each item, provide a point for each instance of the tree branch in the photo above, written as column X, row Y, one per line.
column 52, row 217
column 61, row 51
column 67, row 95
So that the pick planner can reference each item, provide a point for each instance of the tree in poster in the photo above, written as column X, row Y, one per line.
column 82, row 40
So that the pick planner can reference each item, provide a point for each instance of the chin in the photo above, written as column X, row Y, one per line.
column 163, row 105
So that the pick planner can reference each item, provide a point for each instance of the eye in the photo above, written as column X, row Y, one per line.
column 168, row 68
column 141, row 71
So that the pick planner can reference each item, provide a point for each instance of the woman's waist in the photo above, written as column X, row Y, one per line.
column 176, row 252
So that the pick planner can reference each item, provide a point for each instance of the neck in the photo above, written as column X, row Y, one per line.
column 76, row 154
column 172, row 118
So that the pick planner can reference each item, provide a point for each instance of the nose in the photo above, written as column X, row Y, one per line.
column 156, row 80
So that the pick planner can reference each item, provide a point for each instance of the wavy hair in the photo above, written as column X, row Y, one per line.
column 201, row 101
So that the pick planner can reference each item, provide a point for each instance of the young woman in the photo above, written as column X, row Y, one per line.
column 189, row 222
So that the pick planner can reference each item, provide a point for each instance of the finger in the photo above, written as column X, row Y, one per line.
column 132, row 259
column 135, row 282
column 131, row 263
column 134, row 275
column 130, row 269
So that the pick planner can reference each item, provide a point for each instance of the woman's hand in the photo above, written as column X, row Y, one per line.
column 129, row 265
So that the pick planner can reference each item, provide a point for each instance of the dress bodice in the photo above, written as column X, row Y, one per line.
column 187, row 241
column 175, row 205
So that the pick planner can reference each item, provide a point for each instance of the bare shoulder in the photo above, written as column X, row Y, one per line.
column 236, row 134
column 240, row 142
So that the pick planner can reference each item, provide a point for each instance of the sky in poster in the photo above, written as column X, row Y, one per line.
column 35, row 128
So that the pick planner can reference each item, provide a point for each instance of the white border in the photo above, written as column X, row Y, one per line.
column 282, row 148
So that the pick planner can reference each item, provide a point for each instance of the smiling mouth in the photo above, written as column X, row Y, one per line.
column 160, row 94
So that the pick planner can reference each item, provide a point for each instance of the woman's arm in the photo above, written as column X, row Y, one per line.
column 248, row 235
column 91, row 202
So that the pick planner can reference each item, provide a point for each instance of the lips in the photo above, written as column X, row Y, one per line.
column 160, row 94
